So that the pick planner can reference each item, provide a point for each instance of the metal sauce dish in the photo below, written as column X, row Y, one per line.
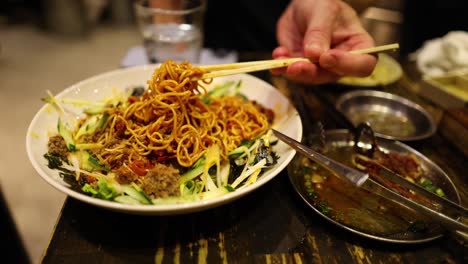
column 357, row 210
column 390, row 116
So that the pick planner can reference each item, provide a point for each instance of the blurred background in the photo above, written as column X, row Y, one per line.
column 46, row 45
column 51, row 44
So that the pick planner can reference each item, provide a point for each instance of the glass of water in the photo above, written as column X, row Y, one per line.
column 171, row 29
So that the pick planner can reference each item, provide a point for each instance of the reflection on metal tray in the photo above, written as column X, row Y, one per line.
column 357, row 210
column 390, row 116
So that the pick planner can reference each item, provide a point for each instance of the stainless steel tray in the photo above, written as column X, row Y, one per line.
column 359, row 211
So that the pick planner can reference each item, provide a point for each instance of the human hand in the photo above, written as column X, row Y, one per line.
column 322, row 31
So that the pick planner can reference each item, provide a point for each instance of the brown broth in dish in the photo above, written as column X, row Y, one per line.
column 354, row 207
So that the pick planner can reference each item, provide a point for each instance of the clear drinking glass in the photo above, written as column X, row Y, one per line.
column 171, row 29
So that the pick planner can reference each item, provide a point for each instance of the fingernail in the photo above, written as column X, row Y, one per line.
column 314, row 47
column 314, row 51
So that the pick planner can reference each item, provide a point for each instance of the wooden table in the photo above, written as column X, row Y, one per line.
column 270, row 225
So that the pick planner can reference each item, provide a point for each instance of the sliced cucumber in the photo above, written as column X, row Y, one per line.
column 136, row 193
column 125, row 199
column 196, row 170
column 66, row 135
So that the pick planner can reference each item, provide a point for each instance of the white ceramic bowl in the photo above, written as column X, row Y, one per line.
column 44, row 123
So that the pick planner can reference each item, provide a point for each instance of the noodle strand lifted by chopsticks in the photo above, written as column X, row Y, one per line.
column 171, row 121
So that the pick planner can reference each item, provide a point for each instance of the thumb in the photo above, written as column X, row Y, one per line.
column 317, row 38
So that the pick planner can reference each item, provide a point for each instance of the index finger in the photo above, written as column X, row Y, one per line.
column 317, row 38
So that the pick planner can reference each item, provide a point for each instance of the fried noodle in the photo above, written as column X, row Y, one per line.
column 172, row 121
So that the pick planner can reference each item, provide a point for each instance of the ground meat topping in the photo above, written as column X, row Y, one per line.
column 58, row 147
column 161, row 181
column 405, row 165
column 124, row 175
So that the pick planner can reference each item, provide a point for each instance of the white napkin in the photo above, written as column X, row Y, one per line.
column 136, row 56
column 442, row 55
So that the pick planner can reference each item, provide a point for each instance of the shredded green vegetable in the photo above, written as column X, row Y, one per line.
column 211, row 176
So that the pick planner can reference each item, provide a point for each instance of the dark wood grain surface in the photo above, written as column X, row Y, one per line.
column 270, row 225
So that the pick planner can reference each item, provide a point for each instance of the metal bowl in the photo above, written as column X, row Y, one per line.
column 356, row 210
column 390, row 116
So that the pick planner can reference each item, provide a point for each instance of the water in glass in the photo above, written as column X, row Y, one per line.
column 177, row 42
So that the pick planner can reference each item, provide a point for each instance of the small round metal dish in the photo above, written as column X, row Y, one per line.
column 357, row 210
column 390, row 116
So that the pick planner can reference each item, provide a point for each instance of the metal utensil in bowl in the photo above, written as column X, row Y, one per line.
column 362, row 180
column 391, row 116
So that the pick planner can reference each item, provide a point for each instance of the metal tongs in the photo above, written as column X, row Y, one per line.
column 362, row 180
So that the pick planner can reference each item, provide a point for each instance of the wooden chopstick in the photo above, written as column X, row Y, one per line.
column 249, row 64
column 244, row 67
column 377, row 49
column 252, row 66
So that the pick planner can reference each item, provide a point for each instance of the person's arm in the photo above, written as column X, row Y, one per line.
column 323, row 31
column 166, row 5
